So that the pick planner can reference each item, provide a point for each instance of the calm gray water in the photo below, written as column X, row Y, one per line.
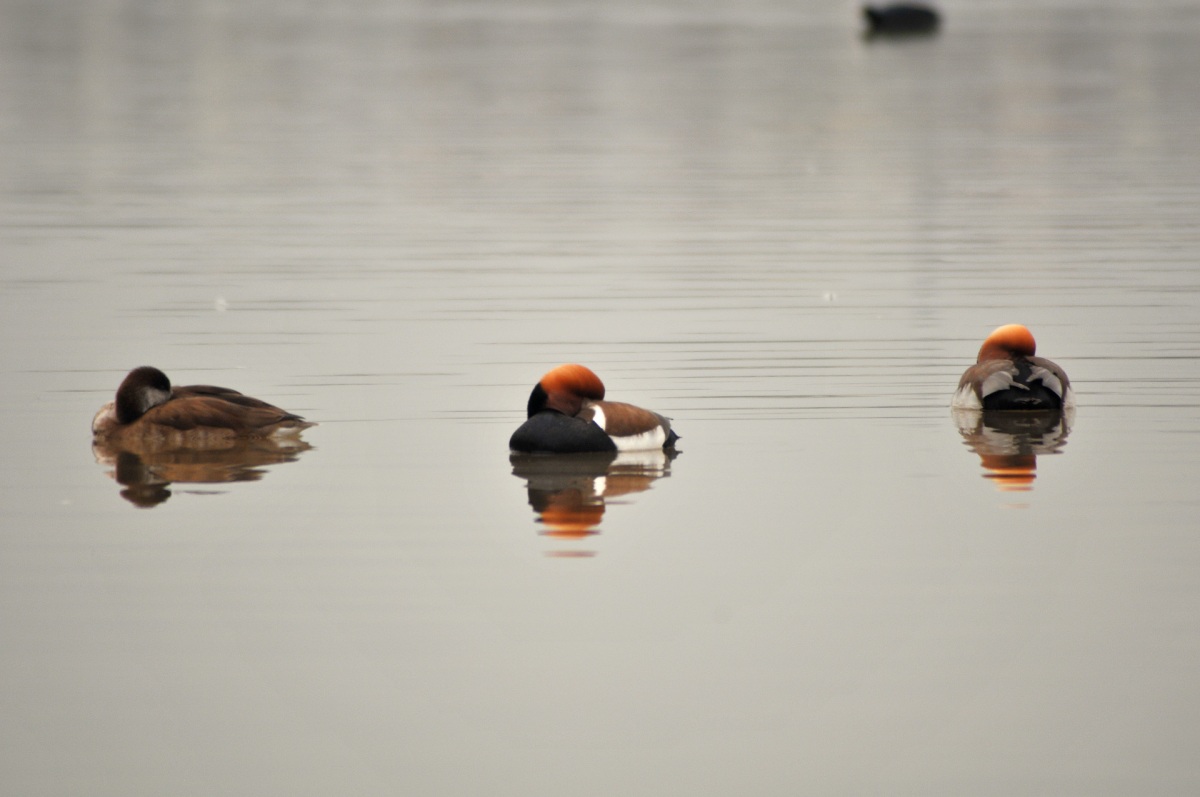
column 393, row 217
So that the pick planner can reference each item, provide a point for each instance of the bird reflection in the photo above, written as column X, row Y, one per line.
column 1009, row 443
column 146, row 469
column 568, row 492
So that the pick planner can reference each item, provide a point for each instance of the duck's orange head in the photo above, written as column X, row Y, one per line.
column 564, row 390
column 1007, row 341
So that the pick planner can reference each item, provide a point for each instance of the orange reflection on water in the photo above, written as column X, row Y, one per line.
column 568, row 492
column 570, row 517
column 1012, row 472
column 147, row 468
column 1009, row 443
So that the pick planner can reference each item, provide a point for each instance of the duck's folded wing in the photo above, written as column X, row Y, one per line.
column 227, row 394
column 203, row 390
column 626, row 420
column 982, row 380
column 197, row 411
column 1050, row 375
column 632, row 428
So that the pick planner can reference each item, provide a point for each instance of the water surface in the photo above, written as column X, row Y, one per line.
column 393, row 218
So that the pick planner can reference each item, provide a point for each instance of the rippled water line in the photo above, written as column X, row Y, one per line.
column 422, row 184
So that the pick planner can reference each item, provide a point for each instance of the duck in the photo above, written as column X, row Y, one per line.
column 567, row 414
column 1007, row 376
column 901, row 18
column 147, row 407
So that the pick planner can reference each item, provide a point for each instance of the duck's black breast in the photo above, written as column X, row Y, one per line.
column 556, row 433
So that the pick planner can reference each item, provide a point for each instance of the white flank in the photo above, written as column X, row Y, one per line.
column 646, row 441
column 965, row 399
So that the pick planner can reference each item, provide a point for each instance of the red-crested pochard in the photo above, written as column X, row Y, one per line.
column 1007, row 376
column 147, row 406
column 567, row 414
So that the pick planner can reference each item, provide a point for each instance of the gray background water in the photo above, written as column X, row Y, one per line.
column 394, row 217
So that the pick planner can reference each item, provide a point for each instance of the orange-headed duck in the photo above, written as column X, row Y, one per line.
column 1006, row 376
column 567, row 415
column 147, row 407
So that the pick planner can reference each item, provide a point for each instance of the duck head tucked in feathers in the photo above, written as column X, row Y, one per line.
column 147, row 406
column 567, row 413
column 1008, row 376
